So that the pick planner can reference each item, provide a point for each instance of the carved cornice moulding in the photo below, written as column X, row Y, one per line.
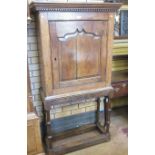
column 75, row 7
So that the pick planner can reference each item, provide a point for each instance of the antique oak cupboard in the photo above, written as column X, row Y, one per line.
column 75, row 42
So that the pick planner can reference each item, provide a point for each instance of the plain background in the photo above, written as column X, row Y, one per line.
column 13, row 77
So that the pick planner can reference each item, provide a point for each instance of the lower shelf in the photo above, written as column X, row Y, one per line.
column 76, row 141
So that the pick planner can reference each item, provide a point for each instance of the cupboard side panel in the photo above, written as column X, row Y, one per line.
column 45, row 53
column 109, row 48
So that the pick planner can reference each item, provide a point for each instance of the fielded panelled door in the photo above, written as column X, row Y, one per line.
column 78, row 53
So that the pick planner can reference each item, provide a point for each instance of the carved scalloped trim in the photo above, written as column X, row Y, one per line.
column 76, row 33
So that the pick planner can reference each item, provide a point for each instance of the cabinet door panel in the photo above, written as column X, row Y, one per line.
column 78, row 53
column 88, row 57
column 67, row 59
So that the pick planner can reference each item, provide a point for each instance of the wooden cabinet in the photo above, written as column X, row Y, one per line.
column 76, row 62
column 76, row 45
column 73, row 63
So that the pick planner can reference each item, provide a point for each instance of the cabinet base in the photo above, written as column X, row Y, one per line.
column 76, row 139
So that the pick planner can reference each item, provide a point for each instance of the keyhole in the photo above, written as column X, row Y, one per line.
column 55, row 59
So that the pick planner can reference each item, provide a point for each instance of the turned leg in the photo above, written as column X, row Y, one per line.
column 98, row 123
column 107, row 110
column 48, row 130
column 98, row 111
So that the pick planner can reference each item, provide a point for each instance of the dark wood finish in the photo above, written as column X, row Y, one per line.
column 76, row 60
column 107, row 107
column 73, row 132
column 74, row 98
column 66, row 124
column 51, row 138
column 78, row 142
column 120, row 89
column 64, row 142
column 98, row 111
